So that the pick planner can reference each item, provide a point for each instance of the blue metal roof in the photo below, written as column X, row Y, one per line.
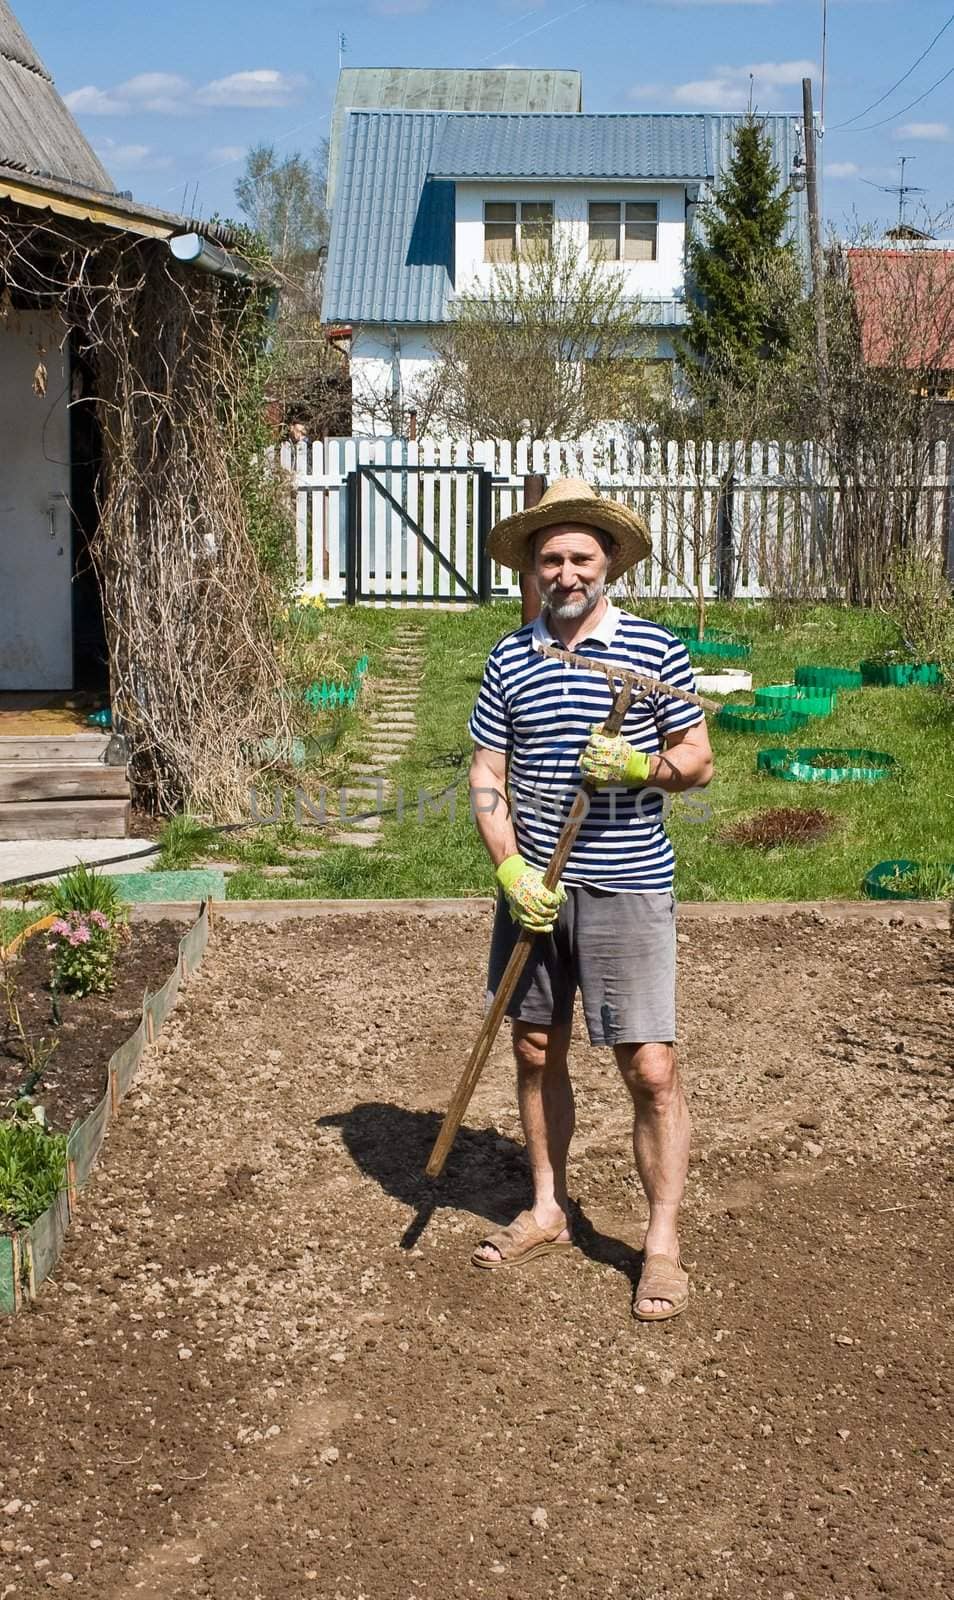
column 391, row 252
column 476, row 145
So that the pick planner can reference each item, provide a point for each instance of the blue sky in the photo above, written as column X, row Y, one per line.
column 172, row 94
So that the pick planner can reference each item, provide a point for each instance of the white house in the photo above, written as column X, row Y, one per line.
column 428, row 201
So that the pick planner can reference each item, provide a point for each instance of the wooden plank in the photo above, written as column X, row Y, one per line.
column 428, row 484
column 462, row 481
column 85, row 747
column 64, row 819
column 73, row 780
column 446, row 491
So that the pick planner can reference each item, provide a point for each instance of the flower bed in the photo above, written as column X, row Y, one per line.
column 828, row 678
column 900, row 673
column 909, row 880
column 715, row 642
column 69, row 1080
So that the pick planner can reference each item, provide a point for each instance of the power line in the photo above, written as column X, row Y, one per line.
column 896, row 85
column 909, row 107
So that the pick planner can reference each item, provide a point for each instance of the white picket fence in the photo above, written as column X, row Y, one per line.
column 415, row 531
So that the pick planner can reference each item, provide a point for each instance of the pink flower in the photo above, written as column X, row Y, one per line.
column 80, row 935
column 98, row 918
column 60, row 927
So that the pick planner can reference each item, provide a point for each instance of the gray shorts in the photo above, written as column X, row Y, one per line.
column 619, row 950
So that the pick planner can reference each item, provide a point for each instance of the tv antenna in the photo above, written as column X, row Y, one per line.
column 901, row 189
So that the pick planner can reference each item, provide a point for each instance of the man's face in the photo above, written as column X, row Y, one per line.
column 570, row 567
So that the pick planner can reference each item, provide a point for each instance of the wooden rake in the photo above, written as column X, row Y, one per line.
column 629, row 683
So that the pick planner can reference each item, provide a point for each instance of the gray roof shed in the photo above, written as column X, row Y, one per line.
column 512, row 89
column 37, row 132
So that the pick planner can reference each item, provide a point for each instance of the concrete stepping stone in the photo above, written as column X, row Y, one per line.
column 361, row 841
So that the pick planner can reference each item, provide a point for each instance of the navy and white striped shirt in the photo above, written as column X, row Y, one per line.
column 540, row 713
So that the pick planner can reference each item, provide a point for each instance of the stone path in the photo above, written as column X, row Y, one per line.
column 390, row 732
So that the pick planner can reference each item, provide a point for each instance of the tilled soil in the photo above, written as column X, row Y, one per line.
column 266, row 1369
column 91, row 1027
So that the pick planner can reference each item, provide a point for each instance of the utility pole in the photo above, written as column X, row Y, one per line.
column 818, row 270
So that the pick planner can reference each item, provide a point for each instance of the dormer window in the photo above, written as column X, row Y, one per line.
column 623, row 230
column 517, row 228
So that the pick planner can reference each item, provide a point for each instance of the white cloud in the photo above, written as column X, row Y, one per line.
column 262, row 86
column 167, row 94
column 729, row 88
column 132, row 157
column 841, row 169
column 938, row 131
column 647, row 91
column 399, row 8
column 226, row 153
column 92, row 102
column 163, row 92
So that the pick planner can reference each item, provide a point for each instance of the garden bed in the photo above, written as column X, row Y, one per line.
column 91, row 1028
column 266, row 1319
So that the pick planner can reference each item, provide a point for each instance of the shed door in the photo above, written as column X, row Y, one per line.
column 36, row 632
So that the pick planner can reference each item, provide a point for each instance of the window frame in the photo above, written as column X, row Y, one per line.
column 622, row 224
column 519, row 251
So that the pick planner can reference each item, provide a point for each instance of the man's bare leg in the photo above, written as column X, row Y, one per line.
column 547, row 1112
column 661, row 1132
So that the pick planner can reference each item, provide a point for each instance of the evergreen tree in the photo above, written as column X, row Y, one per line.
column 743, row 273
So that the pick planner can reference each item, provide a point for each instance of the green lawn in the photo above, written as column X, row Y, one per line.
column 439, row 854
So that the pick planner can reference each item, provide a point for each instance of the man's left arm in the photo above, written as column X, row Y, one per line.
column 685, row 761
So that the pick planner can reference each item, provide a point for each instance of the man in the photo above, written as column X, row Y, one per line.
column 609, row 929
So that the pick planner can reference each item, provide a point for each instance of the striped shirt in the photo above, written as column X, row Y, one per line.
column 540, row 713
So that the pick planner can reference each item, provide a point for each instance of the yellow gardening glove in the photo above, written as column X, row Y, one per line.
column 609, row 759
column 531, row 904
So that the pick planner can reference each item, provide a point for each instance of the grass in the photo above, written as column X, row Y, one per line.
column 13, row 922
column 436, row 852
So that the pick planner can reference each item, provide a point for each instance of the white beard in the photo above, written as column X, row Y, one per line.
column 578, row 607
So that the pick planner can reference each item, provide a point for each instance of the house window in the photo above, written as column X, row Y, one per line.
column 513, row 228
column 623, row 230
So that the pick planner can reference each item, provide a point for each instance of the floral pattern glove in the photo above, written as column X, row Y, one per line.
column 609, row 759
column 531, row 904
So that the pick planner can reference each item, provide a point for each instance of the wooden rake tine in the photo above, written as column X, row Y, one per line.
column 518, row 960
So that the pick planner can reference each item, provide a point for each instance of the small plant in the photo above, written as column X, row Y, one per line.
column 781, row 825
column 84, row 889
column 36, row 1053
column 32, row 1167
column 83, row 946
column 182, row 840
column 928, row 881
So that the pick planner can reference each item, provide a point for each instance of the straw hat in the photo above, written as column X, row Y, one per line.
column 571, row 500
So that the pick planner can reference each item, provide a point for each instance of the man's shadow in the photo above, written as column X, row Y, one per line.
column 486, row 1173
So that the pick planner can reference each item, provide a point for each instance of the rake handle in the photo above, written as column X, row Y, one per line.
column 518, row 960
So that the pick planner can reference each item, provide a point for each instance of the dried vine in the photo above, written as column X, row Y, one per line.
column 190, row 610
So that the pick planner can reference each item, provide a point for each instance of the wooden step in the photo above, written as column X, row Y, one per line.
column 83, row 747
column 68, row 780
column 64, row 819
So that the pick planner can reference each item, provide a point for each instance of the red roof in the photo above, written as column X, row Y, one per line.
column 905, row 302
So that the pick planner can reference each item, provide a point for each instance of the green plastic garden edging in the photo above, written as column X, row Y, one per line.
column 792, row 697
column 845, row 766
column 876, row 883
column 758, row 719
column 714, row 642
column 899, row 674
column 828, row 678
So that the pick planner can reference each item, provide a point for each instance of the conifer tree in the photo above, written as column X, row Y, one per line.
column 744, row 279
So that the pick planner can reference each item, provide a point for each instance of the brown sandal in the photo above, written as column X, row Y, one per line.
column 662, row 1278
column 520, row 1241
